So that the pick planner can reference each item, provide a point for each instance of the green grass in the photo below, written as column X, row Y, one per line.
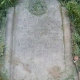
column 4, row 5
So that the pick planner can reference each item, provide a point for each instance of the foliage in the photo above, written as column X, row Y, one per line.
column 66, row 1
column 74, row 12
column 76, row 49
column 1, row 49
column 4, row 5
column 71, row 77
column 3, row 75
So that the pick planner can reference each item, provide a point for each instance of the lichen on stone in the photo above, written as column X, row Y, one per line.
column 37, row 7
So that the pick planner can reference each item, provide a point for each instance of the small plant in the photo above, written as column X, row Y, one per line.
column 1, row 49
column 76, row 43
column 76, row 50
column 76, row 37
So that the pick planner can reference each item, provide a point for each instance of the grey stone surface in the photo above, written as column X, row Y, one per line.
column 70, row 68
column 38, row 51
column 9, row 39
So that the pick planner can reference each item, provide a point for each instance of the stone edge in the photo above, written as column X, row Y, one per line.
column 9, row 41
column 67, row 42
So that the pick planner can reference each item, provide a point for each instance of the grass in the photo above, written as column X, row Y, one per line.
column 4, row 5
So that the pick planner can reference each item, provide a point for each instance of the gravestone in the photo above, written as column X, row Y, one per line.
column 38, row 46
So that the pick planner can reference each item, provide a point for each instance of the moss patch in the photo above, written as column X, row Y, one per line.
column 37, row 7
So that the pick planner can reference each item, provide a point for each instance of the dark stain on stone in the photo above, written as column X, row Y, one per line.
column 26, row 68
column 55, row 72
column 16, row 61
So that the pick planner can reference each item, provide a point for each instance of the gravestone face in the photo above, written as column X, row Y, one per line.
column 37, row 7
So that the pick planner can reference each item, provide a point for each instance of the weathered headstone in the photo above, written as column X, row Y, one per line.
column 38, row 45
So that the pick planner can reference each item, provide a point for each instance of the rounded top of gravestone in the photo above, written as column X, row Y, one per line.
column 37, row 7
